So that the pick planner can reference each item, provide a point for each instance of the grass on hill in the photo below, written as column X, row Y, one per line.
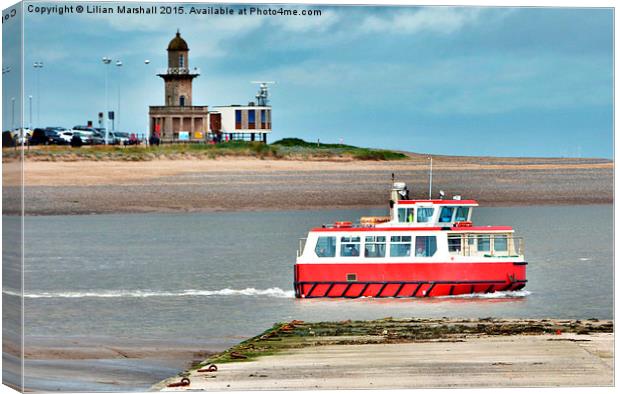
column 289, row 148
column 294, row 146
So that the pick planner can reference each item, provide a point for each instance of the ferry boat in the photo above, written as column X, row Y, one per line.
column 425, row 248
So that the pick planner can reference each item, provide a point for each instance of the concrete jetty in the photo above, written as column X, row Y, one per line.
column 413, row 353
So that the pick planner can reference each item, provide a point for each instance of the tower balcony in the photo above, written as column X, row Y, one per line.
column 179, row 71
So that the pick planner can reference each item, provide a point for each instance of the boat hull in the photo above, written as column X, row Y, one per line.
column 407, row 279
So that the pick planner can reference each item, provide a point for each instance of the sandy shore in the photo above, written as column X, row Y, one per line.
column 508, row 355
column 187, row 185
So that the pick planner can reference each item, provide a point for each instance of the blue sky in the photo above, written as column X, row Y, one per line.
column 466, row 81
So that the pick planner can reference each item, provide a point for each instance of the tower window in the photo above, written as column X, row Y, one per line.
column 181, row 61
column 182, row 101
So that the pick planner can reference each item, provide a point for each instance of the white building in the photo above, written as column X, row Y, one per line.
column 241, row 122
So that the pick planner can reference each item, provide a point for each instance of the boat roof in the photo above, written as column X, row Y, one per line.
column 384, row 229
column 439, row 202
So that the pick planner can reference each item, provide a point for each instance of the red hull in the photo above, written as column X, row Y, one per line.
column 407, row 279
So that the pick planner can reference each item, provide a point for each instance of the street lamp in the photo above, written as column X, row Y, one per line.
column 106, row 61
column 12, row 113
column 37, row 67
column 119, row 64
column 147, row 135
column 30, row 102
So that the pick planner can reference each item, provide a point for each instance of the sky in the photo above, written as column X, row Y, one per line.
column 437, row 80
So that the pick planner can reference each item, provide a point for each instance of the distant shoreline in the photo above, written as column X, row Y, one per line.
column 233, row 184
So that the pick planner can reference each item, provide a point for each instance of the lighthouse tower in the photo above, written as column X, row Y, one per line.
column 178, row 119
column 178, row 77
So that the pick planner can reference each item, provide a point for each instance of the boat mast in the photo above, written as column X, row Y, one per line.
column 430, row 180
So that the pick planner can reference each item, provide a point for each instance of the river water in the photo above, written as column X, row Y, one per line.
column 213, row 278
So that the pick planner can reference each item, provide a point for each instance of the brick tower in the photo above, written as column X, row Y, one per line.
column 178, row 118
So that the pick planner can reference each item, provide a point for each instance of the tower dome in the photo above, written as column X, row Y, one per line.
column 178, row 44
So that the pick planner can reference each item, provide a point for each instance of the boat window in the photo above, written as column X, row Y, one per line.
column 325, row 247
column 405, row 215
column 446, row 214
column 462, row 214
column 500, row 243
column 425, row 246
column 349, row 246
column 400, row 246
column 484, row 243
column 374, row 246
column 425, row 214
column 454, row 244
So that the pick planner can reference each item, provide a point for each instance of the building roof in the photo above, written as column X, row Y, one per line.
column 178, row 44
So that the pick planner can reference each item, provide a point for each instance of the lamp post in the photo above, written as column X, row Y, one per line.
column 30, row 102
column 12, row 113
column 147, row 135
column 119, row 64
column 430, row 180
column 106, row 61
column 37, row 67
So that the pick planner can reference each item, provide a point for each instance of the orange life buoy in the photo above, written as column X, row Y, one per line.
column 343, row 224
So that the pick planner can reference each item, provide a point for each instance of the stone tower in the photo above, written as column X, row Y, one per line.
column 178, row 77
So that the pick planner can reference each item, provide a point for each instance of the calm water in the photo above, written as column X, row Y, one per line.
column 212, row 278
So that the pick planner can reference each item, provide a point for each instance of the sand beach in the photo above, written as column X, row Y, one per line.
column 244, row 183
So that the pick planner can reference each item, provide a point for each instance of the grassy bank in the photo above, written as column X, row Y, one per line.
column 299, row 334
column 283, row 149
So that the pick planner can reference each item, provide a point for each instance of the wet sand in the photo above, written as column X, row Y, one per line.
column 462, row 354
column 105, row 364
column 233, row 184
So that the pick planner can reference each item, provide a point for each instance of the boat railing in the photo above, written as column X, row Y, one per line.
column 487, row 245
column 302, row 245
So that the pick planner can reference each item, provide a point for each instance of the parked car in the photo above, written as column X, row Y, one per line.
column 133, row 140
column 121, row 137
column 21, row 135
column 45, row 137
column 7, row 139
column 66, row 135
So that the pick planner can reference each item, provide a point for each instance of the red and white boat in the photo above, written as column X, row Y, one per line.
column 425, row 248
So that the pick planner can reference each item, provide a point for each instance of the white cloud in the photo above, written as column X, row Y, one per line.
column 443, row 20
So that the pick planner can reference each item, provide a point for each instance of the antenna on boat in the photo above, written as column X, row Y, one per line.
column 430, row 179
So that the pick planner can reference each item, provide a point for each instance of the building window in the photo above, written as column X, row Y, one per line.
column 237, row 119
column 400, row 246
column 325, row 247
column 425, row 246
column 349, row 246
column 263, row 119
column 181, row 61
column 252, row 119
column 405, row 215
column 425, row 214
column 182, row 101
column 374, row 246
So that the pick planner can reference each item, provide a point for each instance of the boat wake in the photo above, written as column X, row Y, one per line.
column 497, row 294
column 275, row 292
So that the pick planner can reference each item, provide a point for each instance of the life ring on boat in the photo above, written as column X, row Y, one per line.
column 343, row 224
column 463, row 224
